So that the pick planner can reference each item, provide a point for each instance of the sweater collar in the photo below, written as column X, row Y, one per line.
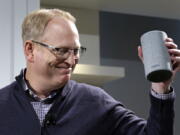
column 21, row 81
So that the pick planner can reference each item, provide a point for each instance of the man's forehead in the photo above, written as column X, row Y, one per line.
column 60, row 21
column 59, row 24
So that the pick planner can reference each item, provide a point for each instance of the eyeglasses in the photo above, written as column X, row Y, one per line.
column 63, row 52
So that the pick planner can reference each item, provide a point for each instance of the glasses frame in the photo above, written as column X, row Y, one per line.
column 57, row 50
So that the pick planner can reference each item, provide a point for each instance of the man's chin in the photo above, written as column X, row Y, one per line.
column 64, row 78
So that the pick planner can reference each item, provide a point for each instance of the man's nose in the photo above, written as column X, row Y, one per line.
column 71, row 59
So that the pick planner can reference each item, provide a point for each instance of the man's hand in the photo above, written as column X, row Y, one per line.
column 164, row 87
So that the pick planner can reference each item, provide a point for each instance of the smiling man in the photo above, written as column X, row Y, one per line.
column 44, row 101
column 52, row 57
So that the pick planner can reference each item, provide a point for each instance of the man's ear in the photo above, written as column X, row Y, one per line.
column 29, row 50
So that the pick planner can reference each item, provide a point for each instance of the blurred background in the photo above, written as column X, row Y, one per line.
column 110, row 30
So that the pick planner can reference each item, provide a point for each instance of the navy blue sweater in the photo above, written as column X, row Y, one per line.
column 80, row 109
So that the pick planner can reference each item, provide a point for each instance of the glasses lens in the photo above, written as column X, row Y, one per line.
column 61, row 51
column 65, row 52
column 82, row 51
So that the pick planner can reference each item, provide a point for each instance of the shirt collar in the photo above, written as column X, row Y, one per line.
column 31, row 92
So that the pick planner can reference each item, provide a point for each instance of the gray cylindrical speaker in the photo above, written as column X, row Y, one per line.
column 157, row 63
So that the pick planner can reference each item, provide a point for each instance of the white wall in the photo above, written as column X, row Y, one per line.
column 12, row 60
column 5, row 38
column 92, row 55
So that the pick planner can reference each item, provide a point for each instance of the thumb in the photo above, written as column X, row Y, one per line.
column 140, row 54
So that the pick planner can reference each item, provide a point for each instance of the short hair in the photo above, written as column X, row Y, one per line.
column 35, row 23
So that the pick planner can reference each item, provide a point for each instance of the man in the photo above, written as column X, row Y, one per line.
column 44, row 101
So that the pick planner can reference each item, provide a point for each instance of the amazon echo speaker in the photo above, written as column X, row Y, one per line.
column 157, row 63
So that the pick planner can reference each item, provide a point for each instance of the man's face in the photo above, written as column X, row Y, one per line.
column 55, row 69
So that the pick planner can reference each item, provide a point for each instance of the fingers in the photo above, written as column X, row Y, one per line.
column 171, row 45
column 174, row 54
column 169, row 39
column 140, row 54
column 172, row 49
column 176, row 67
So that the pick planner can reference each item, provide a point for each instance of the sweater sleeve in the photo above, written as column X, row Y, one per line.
column 160, row 120
column 161, row 117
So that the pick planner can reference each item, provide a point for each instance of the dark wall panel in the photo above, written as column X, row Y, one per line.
column 120, row 33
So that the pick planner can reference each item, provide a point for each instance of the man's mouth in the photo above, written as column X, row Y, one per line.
column 65, row 70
